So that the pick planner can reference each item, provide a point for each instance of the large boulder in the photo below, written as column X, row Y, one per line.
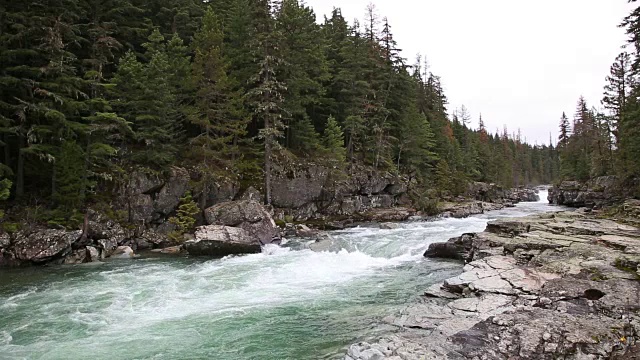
column 44, row 245
column 248, row 215
column 123, row 252
column 219, row 240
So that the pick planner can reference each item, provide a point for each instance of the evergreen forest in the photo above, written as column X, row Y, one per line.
column 91, row 90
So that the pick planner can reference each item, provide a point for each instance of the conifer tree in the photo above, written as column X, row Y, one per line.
column 266, row 95
column 333, row 139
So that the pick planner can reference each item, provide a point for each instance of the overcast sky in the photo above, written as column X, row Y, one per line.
column 519, row 63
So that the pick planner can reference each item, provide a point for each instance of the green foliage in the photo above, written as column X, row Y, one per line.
column 185, row 217
column 333, row 139
column 234, row 87
column 70, row 183
column 5, row 192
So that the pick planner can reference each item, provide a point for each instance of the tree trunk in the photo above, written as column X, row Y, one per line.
column 267, row 169
column 20, row 171
column 7, row 153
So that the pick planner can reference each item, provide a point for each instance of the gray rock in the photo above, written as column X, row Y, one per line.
column 246, row 214
column 539, row 287
column 76, row 257
column 5, row 239
column 252, row 194
column 43, row 245
column 167, row 199
column 389, row 226
column 107, row 246
column 169, row 250
column 93, row 254
column 101, row 228
column 123, row 252
column 218, row 240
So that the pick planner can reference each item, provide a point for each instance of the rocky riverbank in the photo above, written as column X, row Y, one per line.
column 550, row 286
column 322, row 197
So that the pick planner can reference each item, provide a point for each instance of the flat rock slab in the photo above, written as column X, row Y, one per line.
column 549, row 286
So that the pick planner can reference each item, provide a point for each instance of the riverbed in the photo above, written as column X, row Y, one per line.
column 286, row 303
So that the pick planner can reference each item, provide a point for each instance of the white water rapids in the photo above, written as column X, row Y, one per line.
column 287, row 303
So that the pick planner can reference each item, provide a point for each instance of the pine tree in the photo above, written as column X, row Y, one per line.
column 304, row 69
column 147, row 98
column 333, row 139
column 69, row 193
column 214, row 111
column 617, row 91
column 266, row 96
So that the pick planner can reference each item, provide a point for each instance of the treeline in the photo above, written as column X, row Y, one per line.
column 598, row 142
column 92, row 89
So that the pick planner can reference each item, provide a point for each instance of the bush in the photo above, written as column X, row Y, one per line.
column 185, row 218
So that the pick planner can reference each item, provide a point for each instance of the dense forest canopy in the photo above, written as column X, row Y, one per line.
column 92, row 89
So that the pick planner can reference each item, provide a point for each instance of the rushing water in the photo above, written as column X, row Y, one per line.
column 288, row 303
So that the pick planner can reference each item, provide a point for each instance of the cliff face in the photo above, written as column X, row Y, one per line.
column 595, row 193
column 318, row 192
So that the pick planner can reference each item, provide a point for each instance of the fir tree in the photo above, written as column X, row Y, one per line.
column 333, row 139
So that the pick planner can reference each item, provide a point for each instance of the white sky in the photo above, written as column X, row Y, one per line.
column 519, row 63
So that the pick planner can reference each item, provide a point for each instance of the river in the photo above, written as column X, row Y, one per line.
column 288, row 303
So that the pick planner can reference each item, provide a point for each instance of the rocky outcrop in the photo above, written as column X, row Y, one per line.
column 150, row 198
column 552, row 286
column 312, row 191
column 523, row 195
column 465, row 209
column 248, row 215
column 492, row 193
column 43, row 245
column 219, row 240
column 596, row 193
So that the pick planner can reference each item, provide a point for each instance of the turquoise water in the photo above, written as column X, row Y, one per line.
column 286, row 303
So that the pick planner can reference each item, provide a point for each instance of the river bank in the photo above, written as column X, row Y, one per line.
column 547, row 286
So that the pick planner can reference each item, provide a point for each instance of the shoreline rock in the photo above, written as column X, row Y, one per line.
column 219, row 240
column 562, row 285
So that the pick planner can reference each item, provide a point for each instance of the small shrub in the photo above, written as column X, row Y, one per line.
column 11, row 227
column 185, row 218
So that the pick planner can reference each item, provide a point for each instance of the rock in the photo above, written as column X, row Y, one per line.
column 218, row 240
column 108, row 247
column 223, row 190
column 539, row 287
column 169, row 250
column 523, row 195
column 389, row 226
column 322, row 244
column 252, row 194
column 151, row 198
column 596, row 193
column 43, row 245
column 101, row 228
column 151, row 239
column 76, row 257
column 298, row 187
column 304, row 231
column 167, row 199
column 5, row 239
column 93, row 254
column 445, row 251
column 485, row 192
column 123, row 252
column 245, row 214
